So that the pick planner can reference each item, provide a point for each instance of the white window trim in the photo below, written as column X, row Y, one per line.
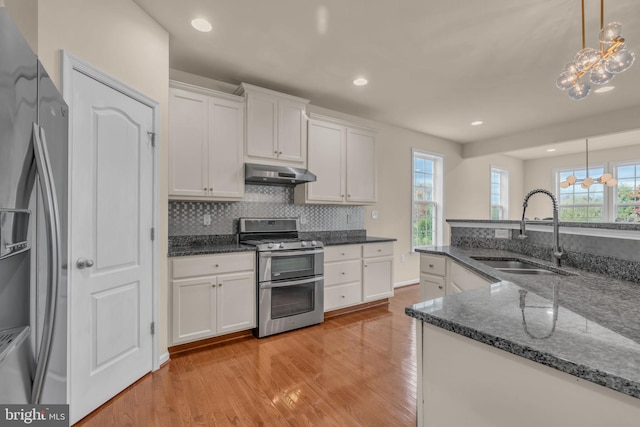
column 438, row 194
column 606, row 196
column 504, row 190
column 613, row 169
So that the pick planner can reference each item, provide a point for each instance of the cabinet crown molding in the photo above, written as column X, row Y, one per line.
column 245, row 88
column 321, row 117
column 204, row 91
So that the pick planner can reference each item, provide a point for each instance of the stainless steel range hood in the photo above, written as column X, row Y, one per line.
column 276, row 175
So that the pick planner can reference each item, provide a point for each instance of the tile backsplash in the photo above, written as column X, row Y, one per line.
column 187, row 218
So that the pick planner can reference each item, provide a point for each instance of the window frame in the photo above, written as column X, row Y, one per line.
column 606, row 202
column 504, row 192
column 613, row 166
column 437, row 199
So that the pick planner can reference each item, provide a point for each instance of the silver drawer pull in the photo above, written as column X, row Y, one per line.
column 430, row 265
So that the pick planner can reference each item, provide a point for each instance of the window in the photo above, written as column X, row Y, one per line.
column 627, row 192
column 426, row 207
column 499, row 193
column 581, row 204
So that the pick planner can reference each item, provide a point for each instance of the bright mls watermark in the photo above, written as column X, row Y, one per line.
column 34, row 415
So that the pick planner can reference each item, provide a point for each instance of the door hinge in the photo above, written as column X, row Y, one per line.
column 153, row 328
column 152, row 135
column 153, row 234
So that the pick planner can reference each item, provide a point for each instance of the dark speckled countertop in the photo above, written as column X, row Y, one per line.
column 217, row 244
column 591, row 330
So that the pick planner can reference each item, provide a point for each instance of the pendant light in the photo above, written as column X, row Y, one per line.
column 596, row 66
column 606, row 179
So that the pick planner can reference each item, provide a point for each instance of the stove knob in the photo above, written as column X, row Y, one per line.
column 313, row 243
column 270, row 245
column 303, row 243
column 281, row 245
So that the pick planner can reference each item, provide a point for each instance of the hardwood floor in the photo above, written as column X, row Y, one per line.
column 353, row 370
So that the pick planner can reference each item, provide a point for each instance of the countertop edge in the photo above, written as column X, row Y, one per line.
column 614, row 382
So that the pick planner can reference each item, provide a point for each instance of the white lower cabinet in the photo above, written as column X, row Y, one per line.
column 359, row 273
column 219, row 300
column 440, row 276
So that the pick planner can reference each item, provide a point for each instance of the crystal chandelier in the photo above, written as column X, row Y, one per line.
column 606, row 179
column 597, row 66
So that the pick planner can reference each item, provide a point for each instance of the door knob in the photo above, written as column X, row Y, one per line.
column 84, row 263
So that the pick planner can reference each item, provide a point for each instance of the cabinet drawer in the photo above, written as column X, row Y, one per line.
column 207, row 265
column 370, row 250
column 432, row 264
column 342, row 296
column 340, row 253
column 342, row 272
column 431, row 287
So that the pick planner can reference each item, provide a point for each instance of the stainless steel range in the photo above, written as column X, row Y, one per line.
column 290, row 281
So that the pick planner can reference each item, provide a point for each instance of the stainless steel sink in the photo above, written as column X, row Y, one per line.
column 518, row 266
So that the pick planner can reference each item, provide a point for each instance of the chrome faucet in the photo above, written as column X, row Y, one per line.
column 557, row 252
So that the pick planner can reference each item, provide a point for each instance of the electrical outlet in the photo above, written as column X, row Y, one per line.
column 402, row 258
column 348, row 218
column 501, row 233
column 303, row 219
column 374, row 214
column 206, row 220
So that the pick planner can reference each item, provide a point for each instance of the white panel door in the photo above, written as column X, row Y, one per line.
column 236, row 306
column 327, row 160
column 188, row 144
column 377, row 279
column 226, row 156
column 361, row 166
column 194, row 309
column 110, row 224
column 291, row 131
column 262, row 126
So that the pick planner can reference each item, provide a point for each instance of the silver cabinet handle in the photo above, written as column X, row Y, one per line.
column 439, row 287
column 430, row 265
column 84, row 263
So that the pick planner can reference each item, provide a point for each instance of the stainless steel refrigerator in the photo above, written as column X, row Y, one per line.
column 33, row 226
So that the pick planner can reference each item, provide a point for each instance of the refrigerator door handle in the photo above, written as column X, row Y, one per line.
column 52, row 221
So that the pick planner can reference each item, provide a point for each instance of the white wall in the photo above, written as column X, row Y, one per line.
column 538, row 173
column 118, row 38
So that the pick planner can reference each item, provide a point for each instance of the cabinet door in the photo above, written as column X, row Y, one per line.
column 236, row 310
column 326, row 159
column 262, row 131
column 226, row 159
column 194, row 306
column 463, row 279
column 377, row 279
column 188, row 144
column 431, row 287
column 292, row 135
column 361, row 166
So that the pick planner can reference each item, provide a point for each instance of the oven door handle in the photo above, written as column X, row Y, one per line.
column 271, row 285
column 298, row 252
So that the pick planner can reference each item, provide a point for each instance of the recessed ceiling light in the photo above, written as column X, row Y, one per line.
column 201, row 25
column 360, row 82
column 604, row 89
column 550, row 150
column 477, row 123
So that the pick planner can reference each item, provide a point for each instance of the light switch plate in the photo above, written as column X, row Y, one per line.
column 374, row 214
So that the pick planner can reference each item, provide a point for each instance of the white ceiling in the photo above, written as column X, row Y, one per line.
column 432, row 66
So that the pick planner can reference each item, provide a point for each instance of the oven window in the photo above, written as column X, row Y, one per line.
column 292, row 264
column 292, row 300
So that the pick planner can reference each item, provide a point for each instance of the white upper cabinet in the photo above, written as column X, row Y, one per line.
column 206, row 134
column 343, row 157
column 276, row 127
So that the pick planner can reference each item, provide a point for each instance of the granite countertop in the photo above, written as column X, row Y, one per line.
column 206, row 245
column 581, row 323
column 355, row 240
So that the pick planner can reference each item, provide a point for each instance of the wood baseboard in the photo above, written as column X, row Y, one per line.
column 356, row 308
column 209, row 342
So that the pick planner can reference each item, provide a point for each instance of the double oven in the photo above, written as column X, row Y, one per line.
column 290, row 281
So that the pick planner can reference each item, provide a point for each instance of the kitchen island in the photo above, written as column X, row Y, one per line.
column 529, row 350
